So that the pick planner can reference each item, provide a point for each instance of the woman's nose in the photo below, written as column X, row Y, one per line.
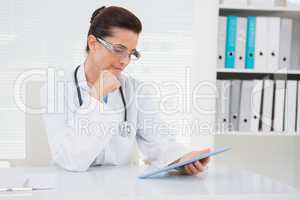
column 125, row 61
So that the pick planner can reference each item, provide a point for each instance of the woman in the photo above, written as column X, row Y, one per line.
column 97, row 129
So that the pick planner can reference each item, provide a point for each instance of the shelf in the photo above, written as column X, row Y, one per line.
column 251, row 71
column 292, row 12
column 255, row 8
column 245, row 74
column 259, row 133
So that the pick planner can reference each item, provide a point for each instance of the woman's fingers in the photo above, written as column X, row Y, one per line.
column 198, row 166
column 187, row 170
column 193, row 169
column 205, row 161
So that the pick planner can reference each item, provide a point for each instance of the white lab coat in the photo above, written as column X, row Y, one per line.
column 87, row 135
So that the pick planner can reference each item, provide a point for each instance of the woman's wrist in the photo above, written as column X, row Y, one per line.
column 93, row 93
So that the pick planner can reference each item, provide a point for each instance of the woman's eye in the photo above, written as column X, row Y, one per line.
column 119, row 49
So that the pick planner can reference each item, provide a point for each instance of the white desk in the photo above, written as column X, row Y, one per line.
column 122, row 183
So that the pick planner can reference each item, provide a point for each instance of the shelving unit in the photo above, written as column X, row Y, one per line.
column 273, row 154
column 292, row 12
column 245, row 74
column 251, row 74
column 247, row 71
column 260, row 133
column 265, row 9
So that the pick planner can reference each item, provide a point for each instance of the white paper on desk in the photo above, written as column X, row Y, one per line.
column 36, row 181
column 12, row 182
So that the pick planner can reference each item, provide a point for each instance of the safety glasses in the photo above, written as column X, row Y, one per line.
column 119, row 50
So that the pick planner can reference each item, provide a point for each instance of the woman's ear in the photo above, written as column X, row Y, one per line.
column 92, row 42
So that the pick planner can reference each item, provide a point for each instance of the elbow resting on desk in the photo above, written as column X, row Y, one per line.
column 71, row 159
column 71, row 165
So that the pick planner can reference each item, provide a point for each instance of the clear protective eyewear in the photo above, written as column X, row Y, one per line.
column 120, row 50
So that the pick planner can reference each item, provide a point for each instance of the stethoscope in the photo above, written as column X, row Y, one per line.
column 124, row 127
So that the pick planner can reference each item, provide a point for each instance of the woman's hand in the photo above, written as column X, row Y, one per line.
column 106, row 83
column 196, row 167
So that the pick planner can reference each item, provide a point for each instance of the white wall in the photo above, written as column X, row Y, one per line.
column 204, row 71
column 273, row 156
column 52, row 33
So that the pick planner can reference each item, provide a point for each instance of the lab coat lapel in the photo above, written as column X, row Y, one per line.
column 115, row 99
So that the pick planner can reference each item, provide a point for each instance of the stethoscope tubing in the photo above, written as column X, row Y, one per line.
column 80, row 97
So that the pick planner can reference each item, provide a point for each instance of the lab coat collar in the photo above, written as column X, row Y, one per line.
column 82, row 82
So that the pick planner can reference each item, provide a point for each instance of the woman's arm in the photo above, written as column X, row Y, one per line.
column 154, row 142
column 77, row 135
column 154, row 139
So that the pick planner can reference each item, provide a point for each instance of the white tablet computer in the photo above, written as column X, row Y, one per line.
column 180, row 164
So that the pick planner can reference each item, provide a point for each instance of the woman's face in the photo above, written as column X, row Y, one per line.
column 104, row 59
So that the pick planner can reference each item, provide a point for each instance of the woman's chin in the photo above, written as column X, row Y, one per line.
column 116, row 71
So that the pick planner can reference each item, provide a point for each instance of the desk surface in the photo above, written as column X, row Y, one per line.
column 121, row 182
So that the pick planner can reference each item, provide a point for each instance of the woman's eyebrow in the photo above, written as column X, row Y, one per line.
column 122, row 45
column 126, row 47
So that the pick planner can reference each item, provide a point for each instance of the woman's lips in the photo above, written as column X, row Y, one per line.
column 119, row 68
